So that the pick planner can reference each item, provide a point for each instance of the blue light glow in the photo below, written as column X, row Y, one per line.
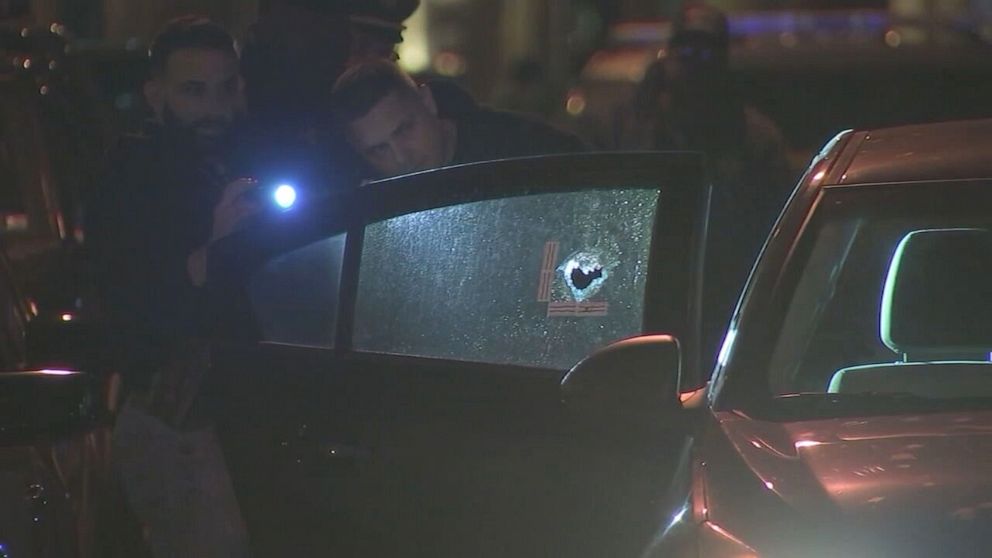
column 284, row 196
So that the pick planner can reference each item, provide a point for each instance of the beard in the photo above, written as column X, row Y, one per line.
column 209, row 134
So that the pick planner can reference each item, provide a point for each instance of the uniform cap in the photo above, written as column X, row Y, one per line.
column 384, row 17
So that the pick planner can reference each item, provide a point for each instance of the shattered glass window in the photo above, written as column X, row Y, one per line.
column 539, row 280
column 295, row 296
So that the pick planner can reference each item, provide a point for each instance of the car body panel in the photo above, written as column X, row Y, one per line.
column 884, row 486
column 873, row 467
column 945, row 151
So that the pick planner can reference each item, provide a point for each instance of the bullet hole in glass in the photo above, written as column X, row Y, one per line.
column 582, row 279
column 584, row 274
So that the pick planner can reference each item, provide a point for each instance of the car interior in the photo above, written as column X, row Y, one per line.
column 832, row 318
column 936, row 314
column 887, row 294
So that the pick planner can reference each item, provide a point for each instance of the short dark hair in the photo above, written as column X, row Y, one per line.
column 363, row 86
column 188, row 32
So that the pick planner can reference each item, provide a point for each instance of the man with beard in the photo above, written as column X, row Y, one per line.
column 165, row 198
column 688, row 101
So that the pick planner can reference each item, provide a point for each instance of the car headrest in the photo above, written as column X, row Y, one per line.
column 938, row 294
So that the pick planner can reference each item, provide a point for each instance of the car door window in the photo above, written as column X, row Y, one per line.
column 295, row 296
column 538, row 280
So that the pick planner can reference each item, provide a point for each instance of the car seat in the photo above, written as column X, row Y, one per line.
column 936, row 314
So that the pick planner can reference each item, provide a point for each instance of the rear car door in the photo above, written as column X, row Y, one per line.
column 389, row 360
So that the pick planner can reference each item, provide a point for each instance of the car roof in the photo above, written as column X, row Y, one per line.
column 922, row 152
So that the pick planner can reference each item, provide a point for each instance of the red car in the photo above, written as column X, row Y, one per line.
column 851, row 407
column 390, row 365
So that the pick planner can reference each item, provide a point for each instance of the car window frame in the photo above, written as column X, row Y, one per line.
column 679, row 176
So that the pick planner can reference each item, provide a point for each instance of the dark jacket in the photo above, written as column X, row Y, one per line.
column 486, row 134
column 153, row 208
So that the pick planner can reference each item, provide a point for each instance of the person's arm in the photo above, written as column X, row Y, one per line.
column 229, row 215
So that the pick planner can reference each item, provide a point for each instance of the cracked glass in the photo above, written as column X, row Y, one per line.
column 541, row 280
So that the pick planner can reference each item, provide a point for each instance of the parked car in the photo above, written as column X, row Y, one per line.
column 849, row 410
column 391, row 364
column 54, row 438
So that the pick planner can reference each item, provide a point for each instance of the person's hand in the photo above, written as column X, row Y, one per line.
column 230, row 214
column 234, row 208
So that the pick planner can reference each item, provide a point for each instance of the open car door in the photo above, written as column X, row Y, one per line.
column 388, row 365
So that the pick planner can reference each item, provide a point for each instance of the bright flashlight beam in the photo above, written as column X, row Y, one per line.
column 284, row 196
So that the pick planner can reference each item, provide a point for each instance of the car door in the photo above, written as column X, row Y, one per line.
column 389, row 361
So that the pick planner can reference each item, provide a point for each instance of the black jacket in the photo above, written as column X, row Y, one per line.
column 486, row 134
column 153, row 208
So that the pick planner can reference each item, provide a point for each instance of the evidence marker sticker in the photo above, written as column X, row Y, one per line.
column 568, row 309
column 583, row 274
column 547, row 275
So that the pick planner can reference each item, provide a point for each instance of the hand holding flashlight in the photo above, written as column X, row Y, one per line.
column 236, row 205
column 242, row 199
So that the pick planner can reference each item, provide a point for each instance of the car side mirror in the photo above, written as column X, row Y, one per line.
column 635, row 379
column 46, row 404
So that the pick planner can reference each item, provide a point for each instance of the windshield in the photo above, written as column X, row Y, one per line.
column 887, row 304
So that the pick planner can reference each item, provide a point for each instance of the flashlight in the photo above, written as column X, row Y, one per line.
column 282, row 195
